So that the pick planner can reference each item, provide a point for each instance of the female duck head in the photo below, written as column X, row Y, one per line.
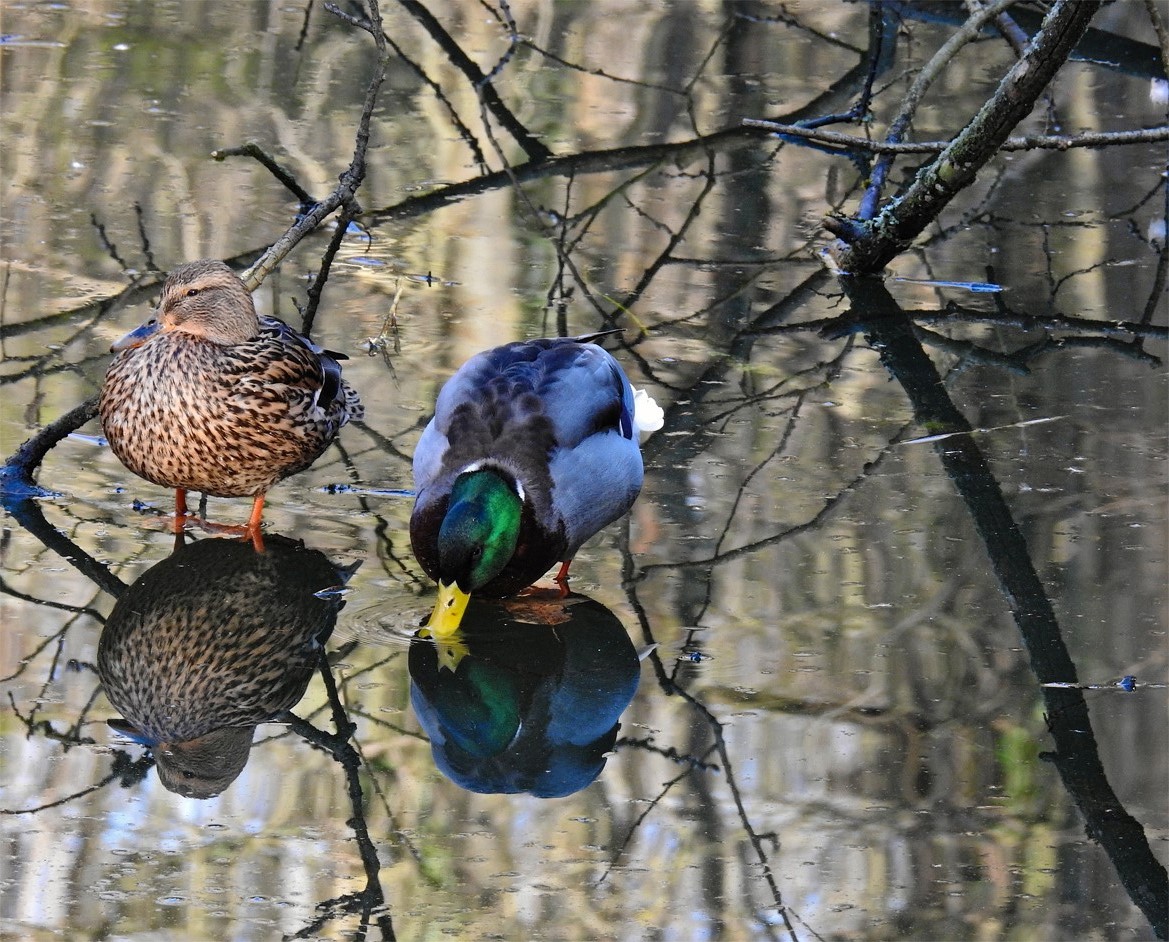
column 476, row 541
column 205, row 299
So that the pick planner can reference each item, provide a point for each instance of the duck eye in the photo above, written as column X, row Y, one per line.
column 192, row 292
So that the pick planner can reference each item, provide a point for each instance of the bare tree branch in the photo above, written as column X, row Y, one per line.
column 1029, row 142
column 534, row 148
column 867, row 247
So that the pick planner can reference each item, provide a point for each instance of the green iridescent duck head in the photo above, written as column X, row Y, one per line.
column 477, row 539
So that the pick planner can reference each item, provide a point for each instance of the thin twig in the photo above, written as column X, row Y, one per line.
column 350, row 179
column 1027, row 142
column 256, row 152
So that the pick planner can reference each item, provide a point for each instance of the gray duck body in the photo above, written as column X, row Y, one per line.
column 554, row 415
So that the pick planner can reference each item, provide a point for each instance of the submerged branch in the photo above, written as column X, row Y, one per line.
column 17, row 477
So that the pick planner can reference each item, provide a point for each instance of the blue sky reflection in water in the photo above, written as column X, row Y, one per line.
column 822, row 605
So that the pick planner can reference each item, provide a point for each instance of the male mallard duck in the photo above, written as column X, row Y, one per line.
column 533, row 448
column 533, row 705
column 209, row 396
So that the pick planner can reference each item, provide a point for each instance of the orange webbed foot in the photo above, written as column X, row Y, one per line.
column 562, row 578
column 179, row 523
column 252, row 529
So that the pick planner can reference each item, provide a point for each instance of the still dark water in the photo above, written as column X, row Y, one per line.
column 817, row 631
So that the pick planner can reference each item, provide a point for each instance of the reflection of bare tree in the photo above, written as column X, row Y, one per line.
column 1076, row 756
column 761, row 355
column 368, row 901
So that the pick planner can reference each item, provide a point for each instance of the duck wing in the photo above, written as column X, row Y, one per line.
column 296, row 363
column 596, row 468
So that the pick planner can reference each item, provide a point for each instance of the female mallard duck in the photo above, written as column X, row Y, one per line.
column 533, row 448
column 209, row 643
column 209, row 396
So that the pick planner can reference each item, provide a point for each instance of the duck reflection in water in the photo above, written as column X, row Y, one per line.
column 212, row 641
column 528, row 697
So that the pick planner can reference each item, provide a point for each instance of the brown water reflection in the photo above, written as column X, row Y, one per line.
column 840, row 725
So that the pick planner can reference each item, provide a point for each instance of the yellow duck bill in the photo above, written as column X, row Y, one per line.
column 448, row 611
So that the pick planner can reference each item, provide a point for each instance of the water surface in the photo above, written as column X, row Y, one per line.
column 840, row 729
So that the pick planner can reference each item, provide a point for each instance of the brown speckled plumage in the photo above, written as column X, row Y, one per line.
column 209, row 643
column 211, row 397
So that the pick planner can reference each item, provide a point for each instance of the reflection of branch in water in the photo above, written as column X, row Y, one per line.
column 890, row 331
column 107, row 243
column 830, row 370
column 535, row 149
column 144, row 238
column 688, row 414
column 955, row 313
column 667, row 752
column 125, row 771
column 27, row 512
column 650, row 806
column 670, row 687
column 635, row 293
column 605, row 160
column 829, row 507
column 348, row 680
column 440, row 96
column 58, row 636
column 600, row 73
column 336, row 657
column 1094, row 334
column 337, row 744
column 744, row 485
column 720, row 745
column 51, row 604
column 564, row 259
column 45, row 728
